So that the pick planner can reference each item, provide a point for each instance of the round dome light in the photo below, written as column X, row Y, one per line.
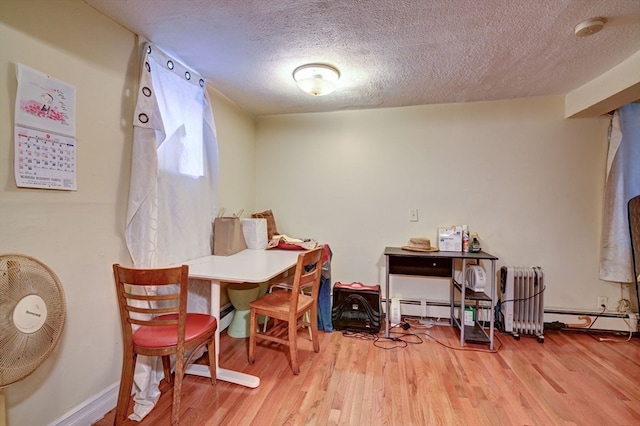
column 316, row 79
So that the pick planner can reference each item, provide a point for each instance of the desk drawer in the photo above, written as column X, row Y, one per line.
column 414, row 265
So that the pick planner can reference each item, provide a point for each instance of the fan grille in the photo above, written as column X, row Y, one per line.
column 21, row 353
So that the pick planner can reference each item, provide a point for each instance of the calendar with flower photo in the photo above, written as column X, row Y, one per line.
column 44, row 132
column 45, row 103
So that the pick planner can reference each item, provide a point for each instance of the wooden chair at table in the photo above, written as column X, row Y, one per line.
column 286, row 283
column 167, row 329
column 288, row 307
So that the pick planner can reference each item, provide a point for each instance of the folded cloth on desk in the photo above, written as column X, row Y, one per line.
column 284, row 241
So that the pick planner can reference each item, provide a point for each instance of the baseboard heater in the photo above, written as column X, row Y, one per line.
column 418, row 302
column 425, row 309
column 588, row 313
column 587, row 321
column 225, row 315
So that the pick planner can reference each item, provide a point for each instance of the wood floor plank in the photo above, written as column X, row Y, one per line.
column 419, row 379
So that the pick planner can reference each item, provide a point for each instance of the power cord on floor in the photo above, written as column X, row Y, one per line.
column 607, row 339
column 426, row 324
column 395, row 340
column 597, row 317
column 624, row 307
column 398, row 339
column 359, row 335
column 467, row 348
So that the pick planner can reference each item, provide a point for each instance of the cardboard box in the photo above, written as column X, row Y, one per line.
column 450, row 238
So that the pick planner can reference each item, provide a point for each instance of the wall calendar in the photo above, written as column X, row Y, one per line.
column 44, row 160
column 45, row 142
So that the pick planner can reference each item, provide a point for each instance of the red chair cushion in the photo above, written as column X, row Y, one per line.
column 167, row 335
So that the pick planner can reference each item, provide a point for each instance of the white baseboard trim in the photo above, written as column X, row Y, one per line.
column 91, row 410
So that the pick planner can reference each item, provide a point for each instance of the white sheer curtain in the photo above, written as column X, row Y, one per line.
column 172, row 192
column 622, row 184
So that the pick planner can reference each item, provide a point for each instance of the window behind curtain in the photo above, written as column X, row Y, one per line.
column 174, row 165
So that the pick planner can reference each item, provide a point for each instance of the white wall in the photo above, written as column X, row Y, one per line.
column 528, row 180
column 525, row 178
column 79, row 234
column 237, row 149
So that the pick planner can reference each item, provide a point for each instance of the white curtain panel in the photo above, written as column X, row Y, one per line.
column 173, row 192
column 174, row 166
column 622, row 184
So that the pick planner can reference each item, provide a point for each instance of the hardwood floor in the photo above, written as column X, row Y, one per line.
column 570, row 379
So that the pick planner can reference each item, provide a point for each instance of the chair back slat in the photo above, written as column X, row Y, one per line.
column 155, row 323
column 153, row 311
column 308, row 273
column 144, row 294
column 132, row 296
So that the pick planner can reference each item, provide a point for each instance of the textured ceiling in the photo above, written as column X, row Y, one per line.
column 390, row 52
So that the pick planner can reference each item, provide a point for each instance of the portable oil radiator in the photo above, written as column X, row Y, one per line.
column 521, row 300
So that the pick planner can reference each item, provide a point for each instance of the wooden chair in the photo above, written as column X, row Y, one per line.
column 288, row 307
column 165, row 328
column 286, row 283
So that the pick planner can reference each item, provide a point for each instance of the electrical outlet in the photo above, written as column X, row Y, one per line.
column 603, row 301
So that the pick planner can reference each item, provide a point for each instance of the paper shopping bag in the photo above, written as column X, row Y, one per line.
column 255, row 233
column 228, row 237
column 271, row 222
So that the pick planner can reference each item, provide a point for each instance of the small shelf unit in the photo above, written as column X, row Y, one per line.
column 480, row 300
column 440, row 264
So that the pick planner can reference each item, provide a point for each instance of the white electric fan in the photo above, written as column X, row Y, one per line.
column 32, row 313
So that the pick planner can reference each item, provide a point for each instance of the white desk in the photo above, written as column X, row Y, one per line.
column 252, row 266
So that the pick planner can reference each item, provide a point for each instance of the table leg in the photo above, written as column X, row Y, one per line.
column 386, row 291
column 493, row 303
column 222, row 373
column 463, row 301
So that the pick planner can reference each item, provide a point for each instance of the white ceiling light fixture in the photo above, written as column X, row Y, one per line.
column 589, row 27
column 316, row 79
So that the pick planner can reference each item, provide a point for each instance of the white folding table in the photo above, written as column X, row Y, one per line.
column 247, row 266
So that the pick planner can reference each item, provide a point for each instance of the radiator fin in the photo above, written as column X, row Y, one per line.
column 521, row 300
